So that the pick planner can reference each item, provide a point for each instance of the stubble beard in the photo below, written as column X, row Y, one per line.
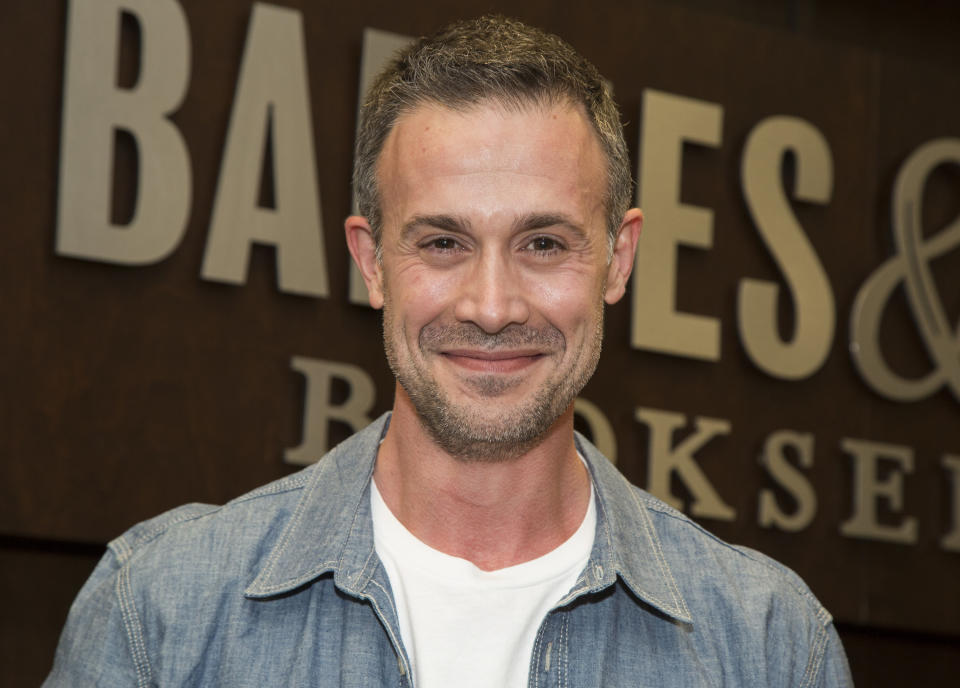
column 498, row 432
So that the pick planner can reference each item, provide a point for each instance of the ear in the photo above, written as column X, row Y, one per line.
column 363, row 248
column 624, row 248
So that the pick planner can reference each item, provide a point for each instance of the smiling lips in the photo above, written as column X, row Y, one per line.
column 499, row 361
column 514, row 349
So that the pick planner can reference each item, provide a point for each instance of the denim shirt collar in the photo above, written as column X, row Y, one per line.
column 331, row 530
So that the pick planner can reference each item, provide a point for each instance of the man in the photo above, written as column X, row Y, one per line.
column 469, row 538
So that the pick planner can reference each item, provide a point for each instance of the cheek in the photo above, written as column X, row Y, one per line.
column 568, row 303
column 418, row 298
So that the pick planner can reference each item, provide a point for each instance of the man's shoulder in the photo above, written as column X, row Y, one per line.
column 201, row 533
column 686, row 537
column 252, row 521
column 712, row 572
column 739, row 608
column 705, row 570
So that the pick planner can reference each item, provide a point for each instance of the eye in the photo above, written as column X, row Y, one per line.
column 441, row 244
column 543, row 244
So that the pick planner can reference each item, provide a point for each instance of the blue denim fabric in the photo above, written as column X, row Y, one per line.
column 281, row 587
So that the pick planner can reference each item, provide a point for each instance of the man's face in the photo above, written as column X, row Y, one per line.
column 494, row 268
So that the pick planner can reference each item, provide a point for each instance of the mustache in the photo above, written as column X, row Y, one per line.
column 435, row 337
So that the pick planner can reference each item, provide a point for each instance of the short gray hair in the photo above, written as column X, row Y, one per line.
column 490, row 58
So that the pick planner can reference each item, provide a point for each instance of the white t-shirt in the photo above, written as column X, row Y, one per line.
column 466, row 627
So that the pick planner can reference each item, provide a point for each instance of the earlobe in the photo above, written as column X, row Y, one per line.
column 363, row 248
column 624, row 249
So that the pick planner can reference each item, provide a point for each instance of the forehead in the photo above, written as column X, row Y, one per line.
column 491, row 158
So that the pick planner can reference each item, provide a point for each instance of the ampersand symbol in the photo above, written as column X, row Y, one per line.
column 910, row 266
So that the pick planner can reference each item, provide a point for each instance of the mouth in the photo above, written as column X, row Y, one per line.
column 492, row 361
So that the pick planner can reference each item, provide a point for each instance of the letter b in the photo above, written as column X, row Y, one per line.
column 94, row 108
column 319, row 411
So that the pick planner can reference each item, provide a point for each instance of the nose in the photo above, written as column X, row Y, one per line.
column 492, row 294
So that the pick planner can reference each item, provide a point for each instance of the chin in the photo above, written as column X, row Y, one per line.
column 469, row 433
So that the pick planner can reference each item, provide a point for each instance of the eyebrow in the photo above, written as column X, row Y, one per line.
column 531, row 221
column 536, row 221
column 447, row 223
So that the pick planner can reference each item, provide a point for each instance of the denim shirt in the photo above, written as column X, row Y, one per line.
column 282, row 587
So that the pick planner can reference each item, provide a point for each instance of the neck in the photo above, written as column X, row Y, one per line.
column 494, row 514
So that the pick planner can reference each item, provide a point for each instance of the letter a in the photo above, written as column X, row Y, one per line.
column 271, row 92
